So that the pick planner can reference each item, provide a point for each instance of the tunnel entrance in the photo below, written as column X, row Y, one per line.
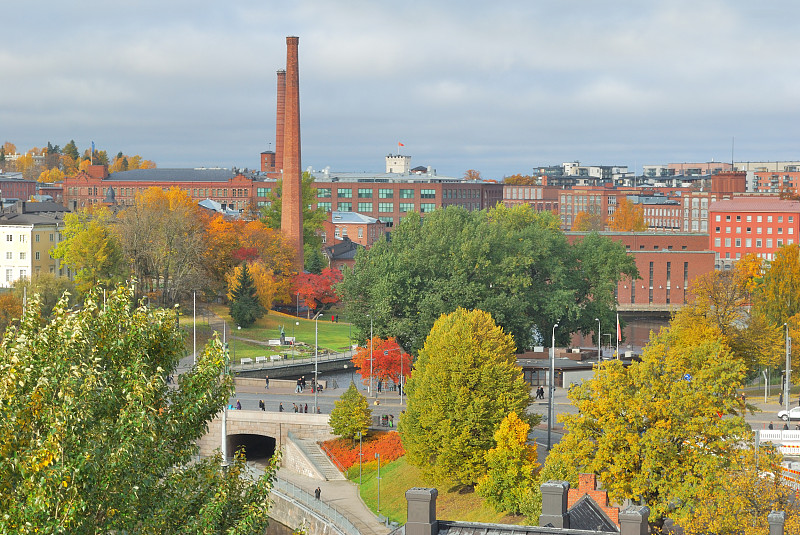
column 257, row 448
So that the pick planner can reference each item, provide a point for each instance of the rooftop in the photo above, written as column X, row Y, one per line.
column 351, row 218
column 754, row 204
column 174, row 175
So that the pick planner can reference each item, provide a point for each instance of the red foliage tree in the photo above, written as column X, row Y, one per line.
column 387, row 357
column 318, row 290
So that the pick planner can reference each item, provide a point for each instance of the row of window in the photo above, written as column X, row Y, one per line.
column 23, row 238
column 383, row 207
column 749, row 218
column 789, row 230
column 23, row 255
column 748, row 242
column 367, row 193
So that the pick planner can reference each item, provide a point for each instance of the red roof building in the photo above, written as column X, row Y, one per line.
column 752, row 225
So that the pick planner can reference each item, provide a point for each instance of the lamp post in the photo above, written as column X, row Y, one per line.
column 225, row 408
column 550, row 386
column 360, row 456
column 194, row 327
column 599, row 356
column 378, row 456
column 786, row 384
column 370, row 355
column 316, row 360
column 294, row 340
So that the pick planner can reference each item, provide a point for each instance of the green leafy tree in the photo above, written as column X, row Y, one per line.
column 777, row 296
column 662, row 430
column 351, row 414
column 91, row 249
column 510, row 481
column 49, row 287
column 94, row 440
column 465, row 381
column 514, row 263
column 312, row 219
column 245, row 307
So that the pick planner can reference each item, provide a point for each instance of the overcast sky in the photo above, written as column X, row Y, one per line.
column 497, row 86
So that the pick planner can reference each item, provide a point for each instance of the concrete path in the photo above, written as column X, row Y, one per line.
column 343, row 495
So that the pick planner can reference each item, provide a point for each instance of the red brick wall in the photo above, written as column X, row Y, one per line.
column 280, row 120
column 587, row 484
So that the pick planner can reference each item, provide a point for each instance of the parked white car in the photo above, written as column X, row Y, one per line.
column 791, row 414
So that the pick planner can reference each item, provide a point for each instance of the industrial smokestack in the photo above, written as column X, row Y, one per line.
column 280, row 119
column 292, row 202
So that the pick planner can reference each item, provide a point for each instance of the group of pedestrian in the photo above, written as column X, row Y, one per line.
column 301, row 385
column 540, row 393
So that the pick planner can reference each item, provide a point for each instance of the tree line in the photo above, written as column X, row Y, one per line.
column 53, row 163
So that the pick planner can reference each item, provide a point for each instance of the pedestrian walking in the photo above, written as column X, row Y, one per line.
column 238, row 405
column 302, row 383
column 785, row 427
column 317, row 493
column 305, row 409
column 261, row 405
column 295, row 406
column 299, row 388
column 266, row 381
column 770, row 426
column 280, row 408
column 780, row 398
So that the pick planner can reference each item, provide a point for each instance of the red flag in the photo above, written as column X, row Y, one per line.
column 619, row 331
column 401, row 145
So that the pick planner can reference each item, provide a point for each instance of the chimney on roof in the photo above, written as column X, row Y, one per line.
column 421, row 512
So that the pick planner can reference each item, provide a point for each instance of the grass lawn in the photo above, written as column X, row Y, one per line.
column 332, row 336
column 399, row 476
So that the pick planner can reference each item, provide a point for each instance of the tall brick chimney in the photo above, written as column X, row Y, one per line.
column 292, row 209
column 280, row 120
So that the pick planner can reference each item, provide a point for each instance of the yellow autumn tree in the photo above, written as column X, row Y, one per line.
column 586, row 222
column 510, row 480
column 628, row 217
column 51, row 175
column 660, row 431
column 741, row 499
column 266, row 283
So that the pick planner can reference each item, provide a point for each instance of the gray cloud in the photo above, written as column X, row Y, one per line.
column 498, row 87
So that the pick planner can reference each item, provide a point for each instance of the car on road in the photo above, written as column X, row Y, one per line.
column 791, row 414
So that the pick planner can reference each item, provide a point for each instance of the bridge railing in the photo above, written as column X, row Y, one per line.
column 260, row 364
column 336, row 518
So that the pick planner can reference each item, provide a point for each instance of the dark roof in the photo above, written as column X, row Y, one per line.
column 45, row 206
column 586, row 514
column 173, row 175
column 343, row 250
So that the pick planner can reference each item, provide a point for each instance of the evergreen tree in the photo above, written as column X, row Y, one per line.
column 351, row 414
column 245, row 307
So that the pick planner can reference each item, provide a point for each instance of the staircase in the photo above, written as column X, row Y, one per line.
column 312, row 450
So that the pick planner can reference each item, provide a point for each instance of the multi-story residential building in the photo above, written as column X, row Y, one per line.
column 27, row 234
column 13, row 186
column 660, row 211
column 776, row 182
column 687, row 169
column 752, row 225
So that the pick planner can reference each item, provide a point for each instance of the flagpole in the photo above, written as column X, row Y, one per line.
column 618, row 334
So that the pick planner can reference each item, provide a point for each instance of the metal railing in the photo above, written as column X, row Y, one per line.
column 303, row 499
column 332, row 457
column 283, row 363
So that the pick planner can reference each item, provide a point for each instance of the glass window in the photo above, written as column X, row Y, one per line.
column 345, row 207
column 365, row 207
column 37, row 255
column 780, row 219
column 346, row 193
column 324, row 206
column 427, row 194
column 406, row 193
column 727, row 242
column 718, row 217
column 360, row 232
column 717, row 242
column 22, row 256
column 364, row 193
column 9, row 255
column 263, row 192
column 385, row 207
column 9, row 275
column 323, row 192
column 769, row 219
column 385, row 193
column 407, row 206
column 758, row 219
column 758, row 243
column 769, row 243
column 427, row 207
column 389, row 220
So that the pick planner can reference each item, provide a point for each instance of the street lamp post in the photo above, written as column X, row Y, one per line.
column 786, row 384
column 360, row 456
column 294, row 340
column 599, row 356
column 550, row 388
column 225, row 408
column 316, row 360
column 370, row 354
column 378, row 456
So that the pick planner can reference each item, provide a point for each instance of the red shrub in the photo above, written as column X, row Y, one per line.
column 387, row 443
